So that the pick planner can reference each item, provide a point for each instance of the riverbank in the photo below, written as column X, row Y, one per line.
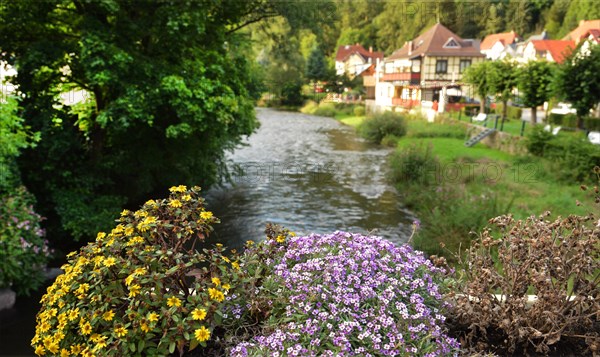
column 460, row 187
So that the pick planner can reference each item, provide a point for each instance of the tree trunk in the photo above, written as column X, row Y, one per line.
column 504, row 109
column 534, row 115
column 482, row 105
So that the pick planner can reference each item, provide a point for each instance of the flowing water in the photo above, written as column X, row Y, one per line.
column 306, row 173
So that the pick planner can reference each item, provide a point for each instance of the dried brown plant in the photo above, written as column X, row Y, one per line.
column 557, row 261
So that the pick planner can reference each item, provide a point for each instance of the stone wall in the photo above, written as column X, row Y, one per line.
column 511, row 144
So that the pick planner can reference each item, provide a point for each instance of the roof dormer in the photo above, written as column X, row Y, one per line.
column 451, row 43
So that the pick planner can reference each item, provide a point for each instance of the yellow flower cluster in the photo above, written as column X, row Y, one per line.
column 77, row 319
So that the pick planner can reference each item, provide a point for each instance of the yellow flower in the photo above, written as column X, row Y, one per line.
column 120, row 331
column 134, row 290
column 235, row 265
column 202, row 334
column 180, row 188
column 216, row 281
column 140, row 271
column 199, row 314
column 100, row 236
column 249, row 243
column 186, row 197
column 125, row 212
column 73, row 314
column 175, row 203
column 292, row 234
column 129, row 231
column 216, row 294
column 39, row 350
column 226, row 259
column 280, row 239
column 173, row 301
column 144, row 327
column 145, row 224
column 140, row 213
column 129, row 279
column 150, row 203
column 226, row 287
column 53, row 348
column 64, row 353
column 206, row 215
column 153, row 317
column 76, row 349
column 86, row 328
column 108, row 316
column 108, row 262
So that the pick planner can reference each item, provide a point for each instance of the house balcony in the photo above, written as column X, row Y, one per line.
column 406, row 103
column 413, row 78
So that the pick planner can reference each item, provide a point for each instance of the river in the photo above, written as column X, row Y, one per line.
column 308, row 174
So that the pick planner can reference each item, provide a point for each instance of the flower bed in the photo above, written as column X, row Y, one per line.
column 351, row 295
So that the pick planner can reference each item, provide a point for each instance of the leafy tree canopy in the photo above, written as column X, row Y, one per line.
column 168, row 90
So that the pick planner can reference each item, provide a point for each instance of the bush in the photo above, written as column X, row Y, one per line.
column 573, row 158
column 23, row 250
column 325, row 110
column 309, row 107
column 346, row 294
column 414, row 165
column 538, row 140
column 511, row 113
column 591, row 123
column 359, row 111
column 141, row 289
column 564, row 120
column 376, row 127
column 557, row 261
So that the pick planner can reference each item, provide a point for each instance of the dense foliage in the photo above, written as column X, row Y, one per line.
column 534, row 80
column 24, row 251
column 165, row 92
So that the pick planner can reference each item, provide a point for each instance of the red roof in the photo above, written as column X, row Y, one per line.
column 595, row 34
column 582, row 30
column 506, row 38
column 433, row 42
column 559, row 49
column 344, row 52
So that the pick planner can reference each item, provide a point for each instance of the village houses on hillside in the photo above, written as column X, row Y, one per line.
column 425, row 69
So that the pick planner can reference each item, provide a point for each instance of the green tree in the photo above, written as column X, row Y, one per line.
column 502, row 79
column 168, row 95
column 478, row 76
column 316, row 68
column 578, row 81
column 534, row 80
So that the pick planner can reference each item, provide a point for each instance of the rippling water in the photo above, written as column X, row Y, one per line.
column 309, row 174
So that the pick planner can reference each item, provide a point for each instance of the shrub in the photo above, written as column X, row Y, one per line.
column 309, row 107
column 511, row 113
column 325, row 110
column 390, row 140
column 143, row 288
column 564, row 120
column 557, row 261
column 538, row 140
column 359, row 111
column 591, row 123
column 376, row 127
column 573, row 158
column 414, row 165
column 23, row 250
column 346, row 294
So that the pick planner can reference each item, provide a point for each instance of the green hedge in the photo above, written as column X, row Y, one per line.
column 564, row 120
column 512, row 112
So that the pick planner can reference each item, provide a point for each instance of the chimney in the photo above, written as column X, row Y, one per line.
column 410, row 47
column 370, row 49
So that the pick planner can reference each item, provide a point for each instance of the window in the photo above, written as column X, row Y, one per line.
column 441, row 66
column 464, row 64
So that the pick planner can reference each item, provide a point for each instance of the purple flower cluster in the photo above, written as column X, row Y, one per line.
column 346, row 294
